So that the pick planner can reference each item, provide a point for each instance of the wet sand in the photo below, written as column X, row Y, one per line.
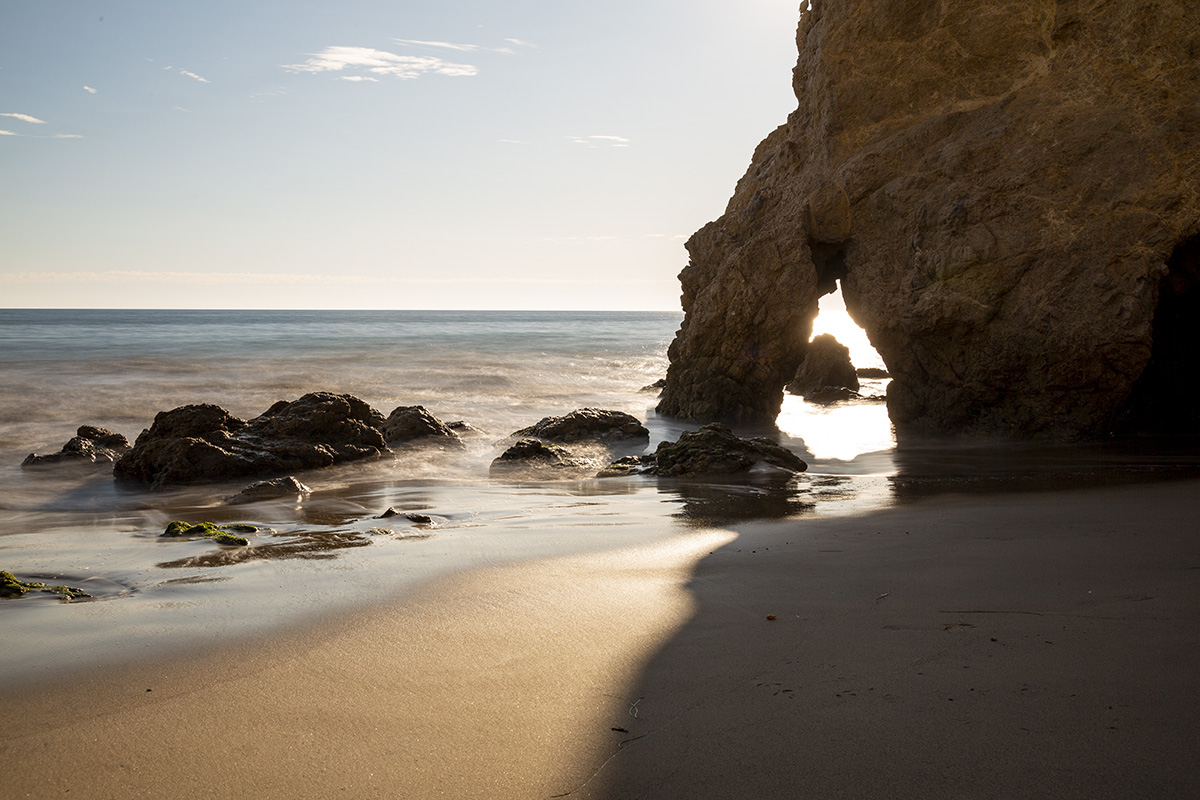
column 1032, row 645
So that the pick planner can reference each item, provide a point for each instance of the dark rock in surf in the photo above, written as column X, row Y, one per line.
column 713, row 450
column 657, row 386
column 464, row 428
column 533, row 457
column 269, row 490
column 198, row 443
column 411, row 516
column 826, row 364
column 90, row 445
column 592, row 425
column 414, row 425
column 872, row 372
column 828, row 395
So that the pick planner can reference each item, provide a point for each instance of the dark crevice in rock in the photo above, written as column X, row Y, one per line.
column 1164, row 398
column 830, row 263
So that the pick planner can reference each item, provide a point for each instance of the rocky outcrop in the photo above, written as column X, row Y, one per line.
column 826, row 364
column 89, row 445
column 533, row 458
column 1008, row 192
column 413, row 425
column 714, row 450
column 199, row 443
column 588, row 425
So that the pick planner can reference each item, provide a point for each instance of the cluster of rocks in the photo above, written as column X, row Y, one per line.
column 204, row 442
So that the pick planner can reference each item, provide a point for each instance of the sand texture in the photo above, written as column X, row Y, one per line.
column 1033, row 645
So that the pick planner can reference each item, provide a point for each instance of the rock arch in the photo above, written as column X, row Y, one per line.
column 1002, row 188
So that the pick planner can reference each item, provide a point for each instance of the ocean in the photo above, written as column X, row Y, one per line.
column 498, row 371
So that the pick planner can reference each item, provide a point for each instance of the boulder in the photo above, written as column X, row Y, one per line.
column 1005, row 191
column 269, row 490
column 826, row 364
column 535, row 458
column 198, row 443
column 592, row 425
column 415, row 425
column 713, row 450
column 90, row 445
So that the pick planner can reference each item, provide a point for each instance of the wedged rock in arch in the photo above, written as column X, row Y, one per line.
column 1006, row 191
column 826, row 364
column 204, row 442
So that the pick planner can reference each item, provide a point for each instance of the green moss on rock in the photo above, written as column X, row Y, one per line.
column 12, row 586
column 221, row 534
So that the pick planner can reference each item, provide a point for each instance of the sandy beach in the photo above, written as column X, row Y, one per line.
column 1002, row 645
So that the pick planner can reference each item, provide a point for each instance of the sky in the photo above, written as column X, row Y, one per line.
column 465, row 154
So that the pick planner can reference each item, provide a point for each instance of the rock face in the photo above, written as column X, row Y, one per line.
column 89, row 445
column 198, row 443
column 1008, row 192
column 826, row 364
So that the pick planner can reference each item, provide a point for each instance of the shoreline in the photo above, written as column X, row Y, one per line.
column 965, row 645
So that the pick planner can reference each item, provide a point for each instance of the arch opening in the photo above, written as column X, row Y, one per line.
column 1164, row 398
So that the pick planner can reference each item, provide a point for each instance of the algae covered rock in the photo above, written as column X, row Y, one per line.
column 198, row 443
column 221, row 534
column 12, row 586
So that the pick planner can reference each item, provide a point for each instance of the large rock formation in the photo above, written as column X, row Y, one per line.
column 1005, row 190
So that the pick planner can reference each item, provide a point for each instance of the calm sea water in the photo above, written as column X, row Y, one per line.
column 498, row 371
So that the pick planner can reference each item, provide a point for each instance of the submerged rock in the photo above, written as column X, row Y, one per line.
column 533, row 456
column 588, row 425
column 411, row 516
column 198, row 443
column 826, row 364
column 272, row 489
column 415, row 425
column 90, row 445
column 12, row 586
column 1005, row 191
column 713, row 450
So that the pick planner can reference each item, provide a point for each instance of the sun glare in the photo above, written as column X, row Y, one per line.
column 833, row 318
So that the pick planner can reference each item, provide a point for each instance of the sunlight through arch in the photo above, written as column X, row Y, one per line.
column 843, row 431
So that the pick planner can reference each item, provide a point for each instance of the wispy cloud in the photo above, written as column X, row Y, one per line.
column 191, row 75
column 65, row 136
column 89, row 90
column 512, row 141
column 8, row 133
column 600, row 141
column 25, row 118
column 380, row 62
column 465, row 48
column 357, row 78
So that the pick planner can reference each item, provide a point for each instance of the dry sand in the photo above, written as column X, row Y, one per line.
column 1033, row 646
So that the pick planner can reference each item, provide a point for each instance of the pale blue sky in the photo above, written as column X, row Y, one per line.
column 369, row 154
